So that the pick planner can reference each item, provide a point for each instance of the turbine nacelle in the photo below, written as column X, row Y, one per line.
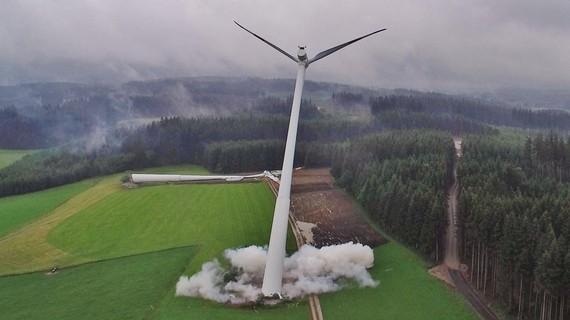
column 302, row 54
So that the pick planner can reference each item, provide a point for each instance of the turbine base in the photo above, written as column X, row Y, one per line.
column 275, row 296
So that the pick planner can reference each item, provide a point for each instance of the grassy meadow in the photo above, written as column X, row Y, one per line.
column 127, row 225
column 124, row 288
column 121, row 251
column 406, row 291
column 211, row 216
column 15, row 211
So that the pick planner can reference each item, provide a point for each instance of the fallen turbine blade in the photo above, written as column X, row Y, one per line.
column 325, row 53
column 269, row 43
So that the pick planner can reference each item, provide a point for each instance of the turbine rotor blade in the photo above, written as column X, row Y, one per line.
column 327, row 52
column 268, row 43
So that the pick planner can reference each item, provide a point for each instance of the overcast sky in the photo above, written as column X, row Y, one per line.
column 442, row 45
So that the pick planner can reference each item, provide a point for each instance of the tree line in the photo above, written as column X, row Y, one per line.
column 48, row 169
column 50, row 125
column 456, row 124
column 223, row 145
column 279, row 106
column 255, row 155
column 225, row 141
column 347, row 98
column 470, row 109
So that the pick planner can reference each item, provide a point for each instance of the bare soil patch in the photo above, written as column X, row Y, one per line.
column 337, row 218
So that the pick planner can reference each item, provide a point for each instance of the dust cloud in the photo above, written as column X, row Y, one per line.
column 238, row 279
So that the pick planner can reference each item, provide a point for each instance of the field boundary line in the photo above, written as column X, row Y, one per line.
column 64, row 202
column 100, row 260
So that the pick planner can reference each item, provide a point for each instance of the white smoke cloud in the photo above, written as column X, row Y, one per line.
column 96, row 138
column 308, row 271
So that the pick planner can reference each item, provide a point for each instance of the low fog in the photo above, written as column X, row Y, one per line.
column 308, row 271
column 430, row 45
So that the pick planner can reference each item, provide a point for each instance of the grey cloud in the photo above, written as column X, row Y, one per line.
column 447, row 45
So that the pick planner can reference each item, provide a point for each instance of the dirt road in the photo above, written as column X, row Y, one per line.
column 452, row 262
column 451, row 253
column 465, row 288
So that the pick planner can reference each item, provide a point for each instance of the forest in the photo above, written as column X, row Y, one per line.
column 176, row 140
column 471, row 109
column 29, row 134
column 401, row 178
column 514, row 207
column 515, row 211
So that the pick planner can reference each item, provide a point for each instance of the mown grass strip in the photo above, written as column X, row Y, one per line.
column 16, row 211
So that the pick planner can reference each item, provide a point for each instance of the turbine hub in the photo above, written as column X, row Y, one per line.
column 302, row 54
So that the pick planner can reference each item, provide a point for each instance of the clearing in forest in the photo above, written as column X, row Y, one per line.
column 326, row 214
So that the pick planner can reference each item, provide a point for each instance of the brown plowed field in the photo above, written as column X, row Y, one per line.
column 315, row 199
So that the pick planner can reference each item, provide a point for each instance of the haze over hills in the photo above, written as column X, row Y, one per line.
column 191, row 92
column 529, row 98
column 49, row 114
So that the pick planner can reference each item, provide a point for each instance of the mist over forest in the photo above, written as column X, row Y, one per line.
column 89, row 130
column 53, row 114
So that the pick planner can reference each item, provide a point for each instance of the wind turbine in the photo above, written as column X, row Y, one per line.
column 273, row 276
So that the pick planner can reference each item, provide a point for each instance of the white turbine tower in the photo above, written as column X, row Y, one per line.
column 273, row 276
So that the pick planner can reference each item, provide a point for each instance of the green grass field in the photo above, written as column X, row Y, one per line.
column 406, row 291
column 124, row 288
column 104, row 220
column 134, row 287
column 28, row 249
column 7, row 157
column 108, row 221
column 16, row 211
column 212, row 216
